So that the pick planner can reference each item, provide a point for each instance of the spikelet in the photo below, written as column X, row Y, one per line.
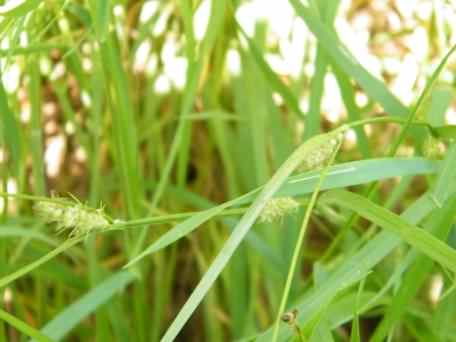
column 433, row 148
column 77, row 218
column 317, row 158
column 277, row 208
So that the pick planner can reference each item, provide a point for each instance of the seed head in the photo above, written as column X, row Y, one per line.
column 276, row 208
column 317, row 158
column 78, row 218
column 432, row 148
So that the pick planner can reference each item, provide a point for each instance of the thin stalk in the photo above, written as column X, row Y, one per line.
column 243, row 226
column 36, row 136
column 393, row 150
column 192, row 84
column 299, row 242
column 181, row 216
column 23, row 327
column 30, row 267
column 420, row 101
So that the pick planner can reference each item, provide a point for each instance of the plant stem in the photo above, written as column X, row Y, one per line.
column 30, row 267
column 299, row 242
column 23, row 327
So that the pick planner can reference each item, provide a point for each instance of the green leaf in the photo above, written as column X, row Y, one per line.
column 62, row 324
column 23, row 327
column 30, row 267
column 123, row 125
column 355, row 267
column 445, row 132
column 347, row 174
column 273, row 80
column 10, row 130
column 416, row 237
column 355, row 333
column 441, row 222
column 101, row 12
column 342, row 57
column 7, row 231
column 242, row 228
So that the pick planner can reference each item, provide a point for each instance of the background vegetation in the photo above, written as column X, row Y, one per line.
column 173, row 115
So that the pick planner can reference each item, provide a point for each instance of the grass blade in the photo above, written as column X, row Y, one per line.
column 416, row 237
column 442, row 222
column 23, row 327
column 340, row 55
column 62, row 324
column 30, row 267
column 241, row 230
column 101, row 12
column 354, row 173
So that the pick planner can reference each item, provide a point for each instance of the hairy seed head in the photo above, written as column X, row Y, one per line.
column 317, row 158
column 278, row 207
column 432, row 148
column 77, row 218
column 49, row 211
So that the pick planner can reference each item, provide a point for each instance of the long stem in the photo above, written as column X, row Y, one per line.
column 180, row 216
column 299, row 242
column 23, row 327
column 30, row 267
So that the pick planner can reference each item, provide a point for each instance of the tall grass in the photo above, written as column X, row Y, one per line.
column 158, row 144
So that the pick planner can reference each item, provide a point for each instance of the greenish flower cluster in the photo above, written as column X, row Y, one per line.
column 78, row 218
column 277, row 208
column 316, row 159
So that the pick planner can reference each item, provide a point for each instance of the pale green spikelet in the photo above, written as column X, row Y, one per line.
column 77, row 218
column 49, row 211
column 317, row 158
column 433, row 148
column 277, row 208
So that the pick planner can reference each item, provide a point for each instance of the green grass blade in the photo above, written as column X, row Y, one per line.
column 241, row 230
column 416, row 237
column 179, row 231
column 10, row 131
column 187, row 18
column 123, row 124
column 23, row 327
column 299, row 243
column 36, row 136
column 355, row 335
column 354, row 113
column 72, row 315
column 214, row 27
column 340, row 55
column 30, row 267
column 426, row 91
column 101, row 13
column 7, row 231
column 270, row 76
column 441, row 223
column 354, row 173
column 328, row 11
column 352, row 270
column 358, row 172
column 440, row 101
